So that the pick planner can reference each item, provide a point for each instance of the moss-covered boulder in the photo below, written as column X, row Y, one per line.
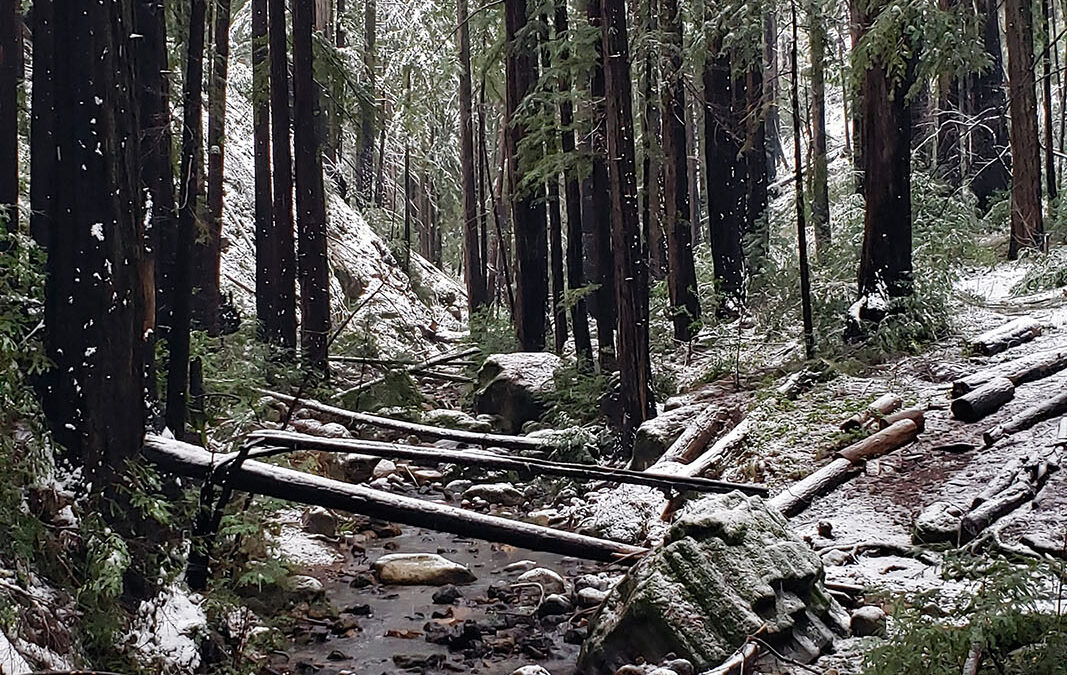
column 729, row 568
column 512, row 386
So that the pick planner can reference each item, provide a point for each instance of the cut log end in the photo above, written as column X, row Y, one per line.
column 984, row 400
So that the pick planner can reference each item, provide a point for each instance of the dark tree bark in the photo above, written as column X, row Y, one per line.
column 631, row 279
column 1027, row 227
column 692, row 141
column 95, row 293
column 188, row 198
column 531, row 245
column 572, row 189
column 756, row 233
column 267, row 282
column 281, row 327
column 42, row 122
column 856, row 26
column 775, row 152
column 207, row 297
column 885, row 261
column 555, row 250
column 990, row 157
column 798, row 179
column 1046, row 86
column 725, row 173
column 157, row 172
column 820, row 196
column 596, row 224
column 681, row 280
column 9, row 79
column 312, row 263
column 484, row 198
column 472, row 246
column 367, row 113
column 652, row 169
column 948, row 130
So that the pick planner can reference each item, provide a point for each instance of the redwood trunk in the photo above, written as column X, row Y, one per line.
column 368, row 112
column 990, row 157
column 267, row 281
column 9, row 76
column 1027, row 228
column 281, row 328
column 472, row 247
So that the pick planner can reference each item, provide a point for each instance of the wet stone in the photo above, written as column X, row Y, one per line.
column 550, row 581
column 869, row 620
column 447, row 595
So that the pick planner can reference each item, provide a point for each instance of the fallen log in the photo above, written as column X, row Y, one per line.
column 880, row 407
column 892, row 437
column 414, row 368
column 1050, row 407
column 1005, row 337
column 1020, row 482
column 711, row 460
column 917, row 415
column 984, row 400
column 1019, row 371
column 697, row 435
column 351, row 417
column 798, row 496
column 274, row 481
column 1061, row 433
column 522, row 465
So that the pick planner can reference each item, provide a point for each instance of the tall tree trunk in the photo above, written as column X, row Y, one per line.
column 267, row 281
column 484, row 198
column 775, row 152
column 990, row 157
column 282, row 327
column 885, row 262
column 756, row 182
column 553, row 204
column 9, row 77
column 207, row 298
column 820, row 195
column 1027, row 227
column 95, row 293
column 472, row 247
column 367, row 111
column 572, row 189
column 595, row 207
column 948, row 129
column 681, row 280
column 531, row 245
column 855, row 30
column 312, row 263
column 1046, row 84
column 692, row 144
column 42, row 122
column 188, row 198
column 631, row 280
column 798, row 168
column 652, row 169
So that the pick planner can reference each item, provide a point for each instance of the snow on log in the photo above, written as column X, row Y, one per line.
column 877, row 444
column 712, row 459
column 880, row 407
column 697, row 435
column 1047, row 409
column 1005, row 337
column 281, row 483
column 1019, row 371
column 351, row 417
column 984, row 400
column 917, row 415
column 522, row 465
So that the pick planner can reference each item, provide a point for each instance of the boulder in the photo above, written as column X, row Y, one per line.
column 495, row 493
column 530, row 670
column 868, row 620
column 545, row 578
column 512, row 386
column 455, row 419
column 317, row 520
column 728, row 568
column 303, row 587
column 659, row 433
column 420, row 569
column 938, row 523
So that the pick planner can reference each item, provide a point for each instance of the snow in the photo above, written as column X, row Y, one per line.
column 299, row 547
column 404, row 311
column 165, row 630
column 11, row 661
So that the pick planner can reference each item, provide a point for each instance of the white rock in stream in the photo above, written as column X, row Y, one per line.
column 591, row 597
column 548, row 580
column 530, row 670
column 384, row 469
column 495, row 493
column 421, row 569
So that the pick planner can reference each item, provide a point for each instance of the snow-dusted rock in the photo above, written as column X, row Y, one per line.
column 317, row 520
column 495, row 493
column 304, row 587
column 657, row 434
column 591, row 597
column 421, row 569
column 384, row 468
column 550, row 581
column 455, row 419
column 938, row 522
column 512, row 386
column 530, row 670
column 868, row 620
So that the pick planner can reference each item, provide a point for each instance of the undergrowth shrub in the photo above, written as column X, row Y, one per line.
column 1045, row 272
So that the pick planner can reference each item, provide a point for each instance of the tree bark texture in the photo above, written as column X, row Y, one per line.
column 1027, row 227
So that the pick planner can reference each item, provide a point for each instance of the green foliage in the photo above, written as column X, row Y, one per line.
column 1004, row 611
column 491, row 332
column 1044, row 273
column 576, row 397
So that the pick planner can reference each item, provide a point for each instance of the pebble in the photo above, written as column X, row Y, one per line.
column 423, row 569
column 303, row 586
column 447, row 595
column 554, row 605
column 530, row 670
column 519, row 567
column 458, row 486
column 549, row 580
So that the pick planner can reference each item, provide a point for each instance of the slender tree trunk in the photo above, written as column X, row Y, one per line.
column 885, row 262
column 483, row 198
column 820, row 195
column 472, row 247
column 1027, row 228
column 42, row 122
column 267, row 281
column 312, row 263
column 990, row 156
column 531, row 245
column 775, row 152
column 692, row 143
column 798, row 172
column 1046, row 84
column 572, row 188
column 948, row 130
column 95, row 296
column 596, row 223
column 554, row 207
column 407, row 179
column 9, row 77
column 681, row 280
column 207, row 297
column 756, row 182
column 188, row 198
column 652, row 170
column 631, row 280
column 855, row 29
column 367, row 112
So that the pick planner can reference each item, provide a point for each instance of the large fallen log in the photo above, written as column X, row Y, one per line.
column 1005, row 337
column 880, row 407
column 712, row 459
column 1020, row 482
column 522, row 465
column 274, row 481
column 1019, row 371
column 917, row 415
column 1047, row 409
column 351, row 417
column 798, row 496
column 697, row 435
column 984, row 400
